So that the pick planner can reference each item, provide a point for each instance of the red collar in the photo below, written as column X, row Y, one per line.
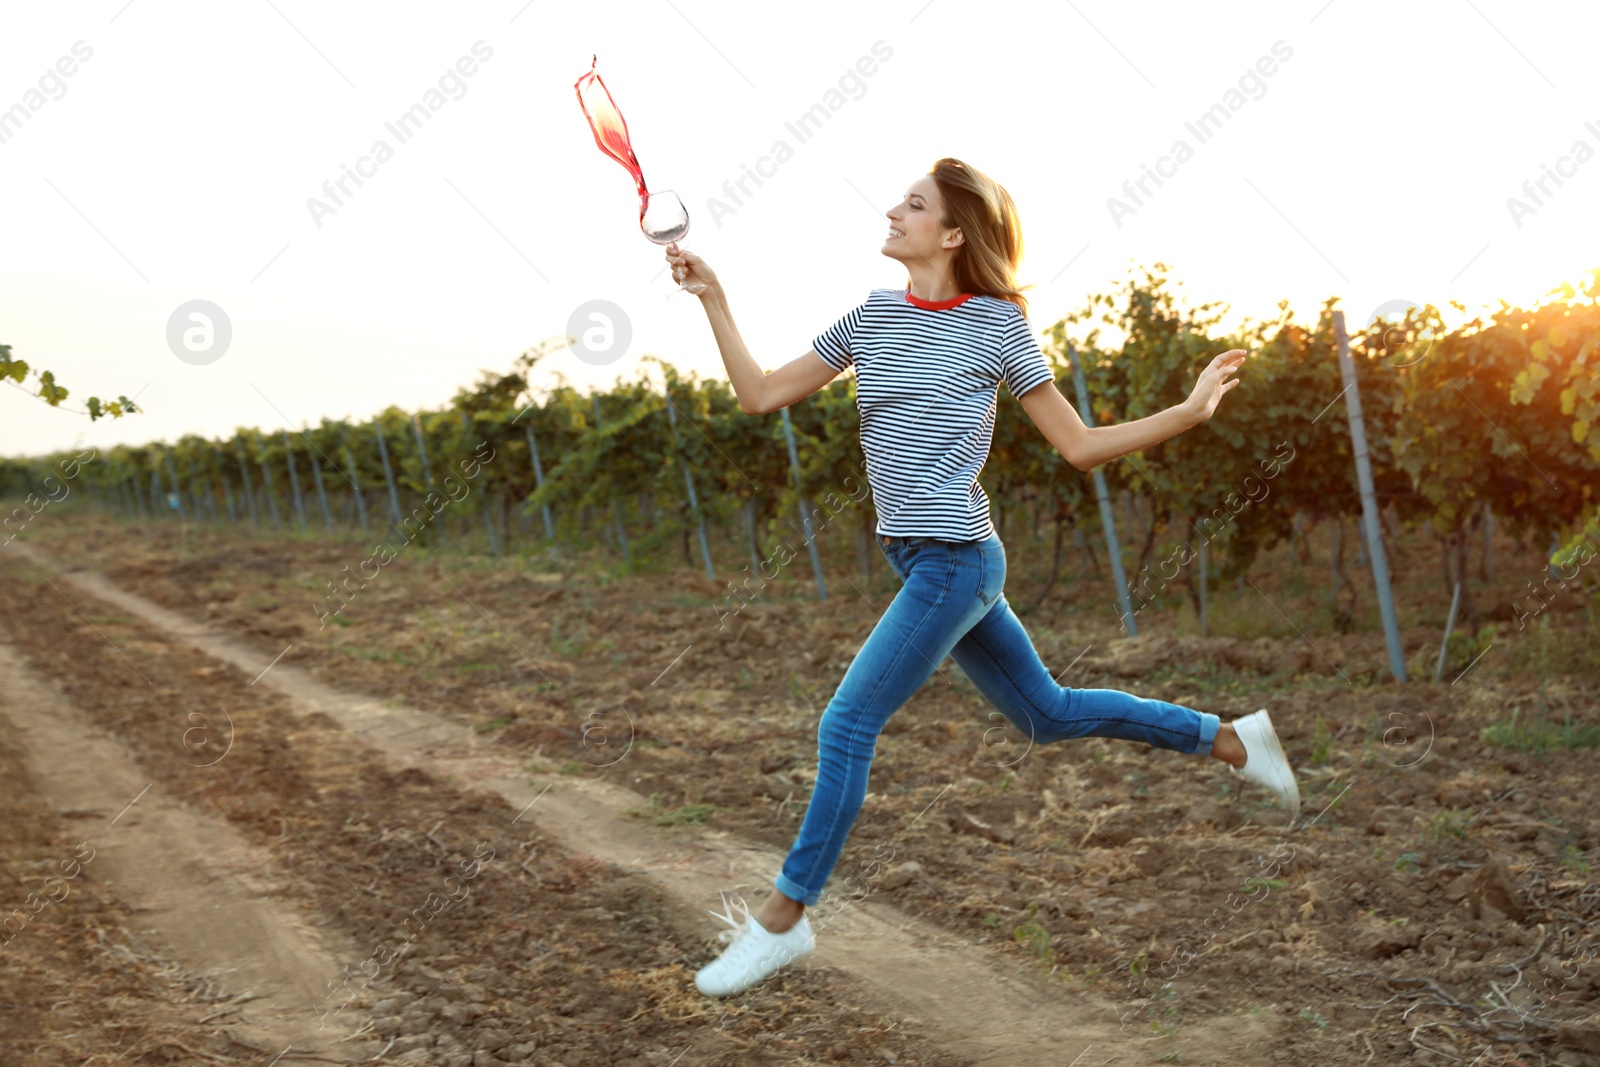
column 937, row 305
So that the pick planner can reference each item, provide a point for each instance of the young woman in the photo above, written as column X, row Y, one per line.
column 929, row 360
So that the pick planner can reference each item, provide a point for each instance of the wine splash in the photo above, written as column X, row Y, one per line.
column 662, row 216
column 610, row 128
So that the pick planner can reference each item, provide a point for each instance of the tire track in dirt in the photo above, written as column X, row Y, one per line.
column 188, row 877
column 537, row 955
column 897, row 964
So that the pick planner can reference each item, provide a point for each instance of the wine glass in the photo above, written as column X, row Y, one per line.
column 665, row 221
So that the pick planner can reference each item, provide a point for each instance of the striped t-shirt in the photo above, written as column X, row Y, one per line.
column 927, row 387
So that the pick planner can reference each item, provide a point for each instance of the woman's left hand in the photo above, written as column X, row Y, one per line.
column 1214, row 381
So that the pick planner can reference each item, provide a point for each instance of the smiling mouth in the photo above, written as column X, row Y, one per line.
column 894, row 234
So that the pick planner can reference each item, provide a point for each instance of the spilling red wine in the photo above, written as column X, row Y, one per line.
column 610, row 128
column 662, row 216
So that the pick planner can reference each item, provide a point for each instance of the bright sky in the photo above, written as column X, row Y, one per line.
column 176, row 160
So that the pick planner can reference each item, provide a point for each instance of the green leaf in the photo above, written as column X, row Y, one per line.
column 16, row 369
column 49, row 391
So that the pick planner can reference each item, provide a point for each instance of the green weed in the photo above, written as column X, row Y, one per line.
column 1321, row 742
column 799, row 690
column 1004, row 786
column 1166, row 1023
column 1540, row 734
column 383, row 655
column 1463, row 648
column 1033, row 937
column 493, row 724
column 1451, row 822
column 673, row 815
column 1572, row 860
column 689, row 813
column 565, row 639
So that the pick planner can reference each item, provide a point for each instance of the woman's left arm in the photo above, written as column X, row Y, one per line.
column 1088, row 447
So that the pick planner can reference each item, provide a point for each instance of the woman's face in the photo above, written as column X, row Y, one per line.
column 914, row 230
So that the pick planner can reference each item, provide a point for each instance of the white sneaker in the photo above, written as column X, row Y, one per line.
column 1265, row 763
column 754, row 952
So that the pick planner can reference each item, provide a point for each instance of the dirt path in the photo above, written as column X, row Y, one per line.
column 192, row 880
column 897, row 966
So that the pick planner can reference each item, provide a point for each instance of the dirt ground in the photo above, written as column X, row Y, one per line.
column 530, row 954
column 79, row 984
column 1434, row 904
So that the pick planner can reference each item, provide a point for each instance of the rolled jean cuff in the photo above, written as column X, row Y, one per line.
column 794, row 891
column 1209, row 725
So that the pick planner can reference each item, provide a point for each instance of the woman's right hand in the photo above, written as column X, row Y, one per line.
column 690, row 271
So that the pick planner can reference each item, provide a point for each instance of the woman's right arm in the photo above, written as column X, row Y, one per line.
column 759, row 393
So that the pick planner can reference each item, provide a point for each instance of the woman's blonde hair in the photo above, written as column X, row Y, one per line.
column 991, row 248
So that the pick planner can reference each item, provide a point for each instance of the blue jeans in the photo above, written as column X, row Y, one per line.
column 952, row 604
